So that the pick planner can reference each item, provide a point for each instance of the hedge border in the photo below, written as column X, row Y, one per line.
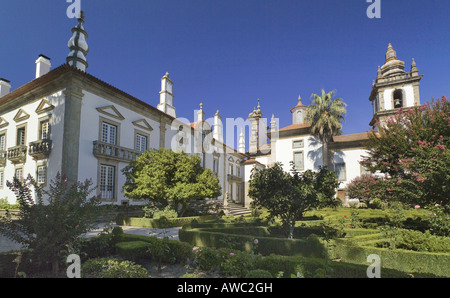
column 356, row 252
column 162, row 222
column 309, row 247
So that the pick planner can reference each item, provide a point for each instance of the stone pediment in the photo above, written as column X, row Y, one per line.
column 111, row 111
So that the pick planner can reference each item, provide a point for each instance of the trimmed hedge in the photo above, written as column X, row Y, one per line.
column 138, row 248
column 437, row 264
column 289, row 266
column 161, row 222
column 311, row 246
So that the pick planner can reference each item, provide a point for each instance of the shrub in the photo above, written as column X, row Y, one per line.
column 439, row 221
column 102, row 245
column 133, row 250
column 258, row 273
column 5, row 205
column 207, row 259
column 112, row 268
column 418, row 241
column 169, row 251
column 236, row 263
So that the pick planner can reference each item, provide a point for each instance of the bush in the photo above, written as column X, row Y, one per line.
column 137, row 247
column 236, row 263
column 169, row 251
column 418, row 241
column 112, row 268
column 258, row 273
column 5, row 205
column 102, row 245
column 207, row 259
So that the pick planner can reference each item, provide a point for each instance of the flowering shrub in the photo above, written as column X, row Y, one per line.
column 369, row 187
column 412, row 149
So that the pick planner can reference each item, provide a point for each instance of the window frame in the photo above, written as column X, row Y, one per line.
column 298, row 147
column 49, row 133
column 15, row 172
column 114, row 180
column 107, row 121
column 344, row 170
column 39, row 165
column 24, row 128
column 303, row 160
column 5, row 145
column 142, row 134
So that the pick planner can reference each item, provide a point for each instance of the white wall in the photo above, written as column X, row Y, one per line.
column 409, row 97
column 351, row 158
column 312, row 152
column 89, row 132
column 32, row 135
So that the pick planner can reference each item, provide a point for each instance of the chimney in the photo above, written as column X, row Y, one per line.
column 218, row 127
column 42, row 66
column 4, row 87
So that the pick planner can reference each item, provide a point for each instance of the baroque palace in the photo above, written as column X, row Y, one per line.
column 68, row 121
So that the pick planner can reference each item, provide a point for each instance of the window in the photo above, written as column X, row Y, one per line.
column 109, row 133
column 41, row 175
column 2, row 176
column 3, row 142
column 21, row 137
column 19, row 174
column 230, row 169
column 141, row 143
column 216, row 165
column 297, row 144
column 298, row 160
column 107, row 179
column 398, row 98
column 238, row 170
column 339, row 168
column 45, row 130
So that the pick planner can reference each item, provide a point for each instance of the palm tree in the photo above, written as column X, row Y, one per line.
column 326, row 116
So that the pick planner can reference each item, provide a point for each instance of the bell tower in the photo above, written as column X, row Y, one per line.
column 394, row 88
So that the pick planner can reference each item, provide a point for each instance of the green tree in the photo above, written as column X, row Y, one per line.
column 53, row 224
column 288, row 195
column 412, row 149
column 170, row 178
column 326, row 116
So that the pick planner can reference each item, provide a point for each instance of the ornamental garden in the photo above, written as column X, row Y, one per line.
column 297, row 227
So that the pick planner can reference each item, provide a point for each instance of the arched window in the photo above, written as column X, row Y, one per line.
column 398, row 99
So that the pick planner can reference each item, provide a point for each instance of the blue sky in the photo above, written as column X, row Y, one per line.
column 229, row 53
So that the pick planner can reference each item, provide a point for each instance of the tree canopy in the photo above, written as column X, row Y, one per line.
column 412, row 150
column 326, row 116
column 170, row 178
column 289, row 195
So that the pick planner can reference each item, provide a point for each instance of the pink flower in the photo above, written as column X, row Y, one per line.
column 255, row 241
column 231, row 254
column 349, row 226
column 416, row 207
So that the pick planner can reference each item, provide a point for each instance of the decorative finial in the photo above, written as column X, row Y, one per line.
column 201, row 106
column 78, row 46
